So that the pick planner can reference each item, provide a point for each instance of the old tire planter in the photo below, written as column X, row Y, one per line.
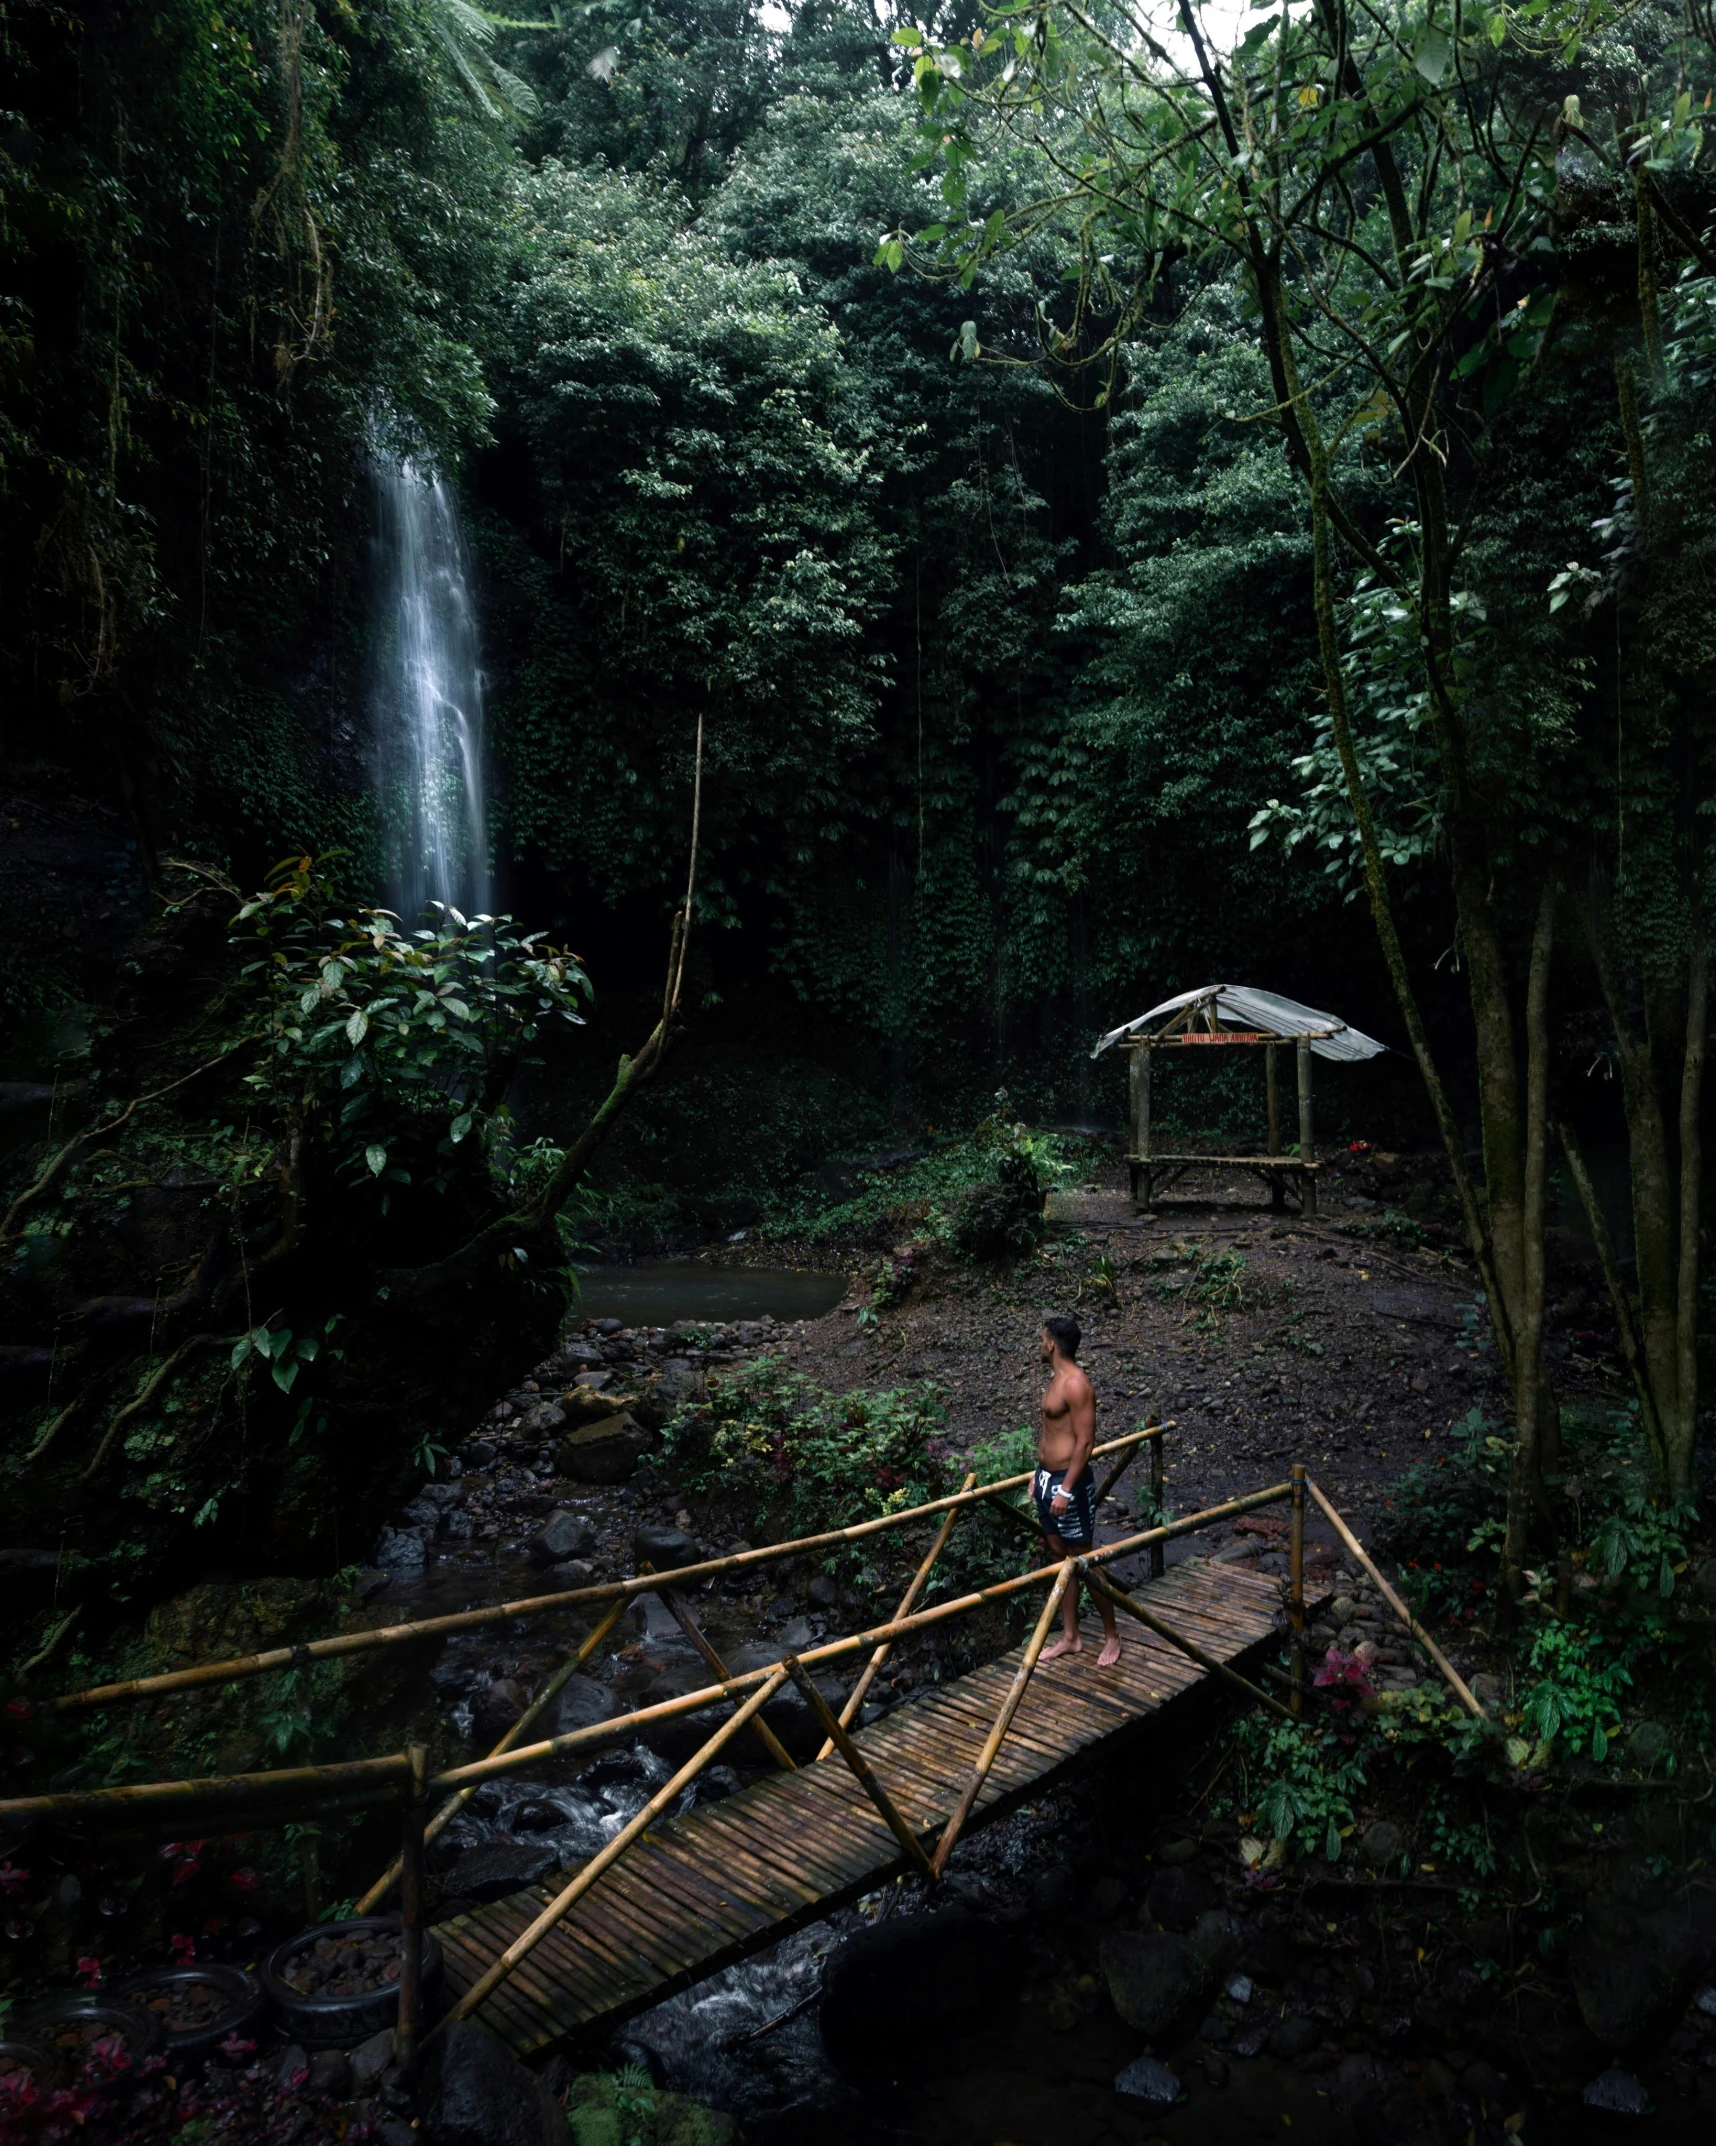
column 343, row 2022
column 46, row 2066
column 241, row 2010
column 44, row 2023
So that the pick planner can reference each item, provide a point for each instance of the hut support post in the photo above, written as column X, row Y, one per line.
column 410, row 2027
column 1307, row 1134
column 1296, row 1586
column 1139, row 1084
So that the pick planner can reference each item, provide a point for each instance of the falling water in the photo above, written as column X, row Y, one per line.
column 428, row 696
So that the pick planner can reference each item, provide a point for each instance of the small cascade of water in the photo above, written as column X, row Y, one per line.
column 428, row 700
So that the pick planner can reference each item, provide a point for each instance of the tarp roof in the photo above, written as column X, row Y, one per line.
column 1245, row 1008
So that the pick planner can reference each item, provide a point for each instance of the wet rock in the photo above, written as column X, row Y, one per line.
column 605, row 1452
column 368, row 1581
column 1381, row 1843
column 894, row 1995
column 331, row 2074
column 292, row 2066
column 1375, row 2100
column 400, row 1550
column 1148, row 2085
column 663, row 1396
column 1177, row 1897
column 580, row 1703
column 498, row 1868
column 369, row 2060
column 583, row 1405
column 497, row 1707
column 1294, row 2036
column 576, row 1572
column 823, row 1591
column 1627, row 1994
column 1239, row 1988
column 1217, row 1939
column 1158, row 1984
column 1617, row 2093
column 476, row 2093
column 561, row 1535
column 667, row 1549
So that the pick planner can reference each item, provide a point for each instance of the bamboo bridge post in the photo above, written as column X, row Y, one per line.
column 410, row 2026
column 681, row 1616
column 1456, row 1683
column 1003, row 1720
column 867, row 1781
column 532, row 1714
column 1296, row 1587
column 920, row 1580
column 604, row 1858
column 1158, row 1491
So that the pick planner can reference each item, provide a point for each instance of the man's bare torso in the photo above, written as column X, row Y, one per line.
column 1066, row 1398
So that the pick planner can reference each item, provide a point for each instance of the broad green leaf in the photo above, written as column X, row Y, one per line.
column 376, row 1156
column 357, row 1027
column 460, row 1126
column 1432, row 55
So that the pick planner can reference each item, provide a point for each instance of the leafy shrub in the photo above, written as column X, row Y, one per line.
column 1004, row 1218
column 1444, row 1514
column 1581, row 1672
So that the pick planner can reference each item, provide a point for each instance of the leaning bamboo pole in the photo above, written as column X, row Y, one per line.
column 920, row 1580
column 1004, row 1720
column 97, row 1803
column 341, row 1644
column 1456, row 1683
column 688, row 1624
column 532, row 1714
column 527, row 1941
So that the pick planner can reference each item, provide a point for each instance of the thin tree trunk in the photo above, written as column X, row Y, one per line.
column 1684, row 1430
column 1525, row 1476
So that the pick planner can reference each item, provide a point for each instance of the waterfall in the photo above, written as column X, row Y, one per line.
column 428, row 697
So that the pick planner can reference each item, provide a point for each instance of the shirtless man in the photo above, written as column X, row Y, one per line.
column 1061, row 1489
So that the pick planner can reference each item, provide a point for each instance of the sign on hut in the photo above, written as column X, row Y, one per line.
column 1233, row 1016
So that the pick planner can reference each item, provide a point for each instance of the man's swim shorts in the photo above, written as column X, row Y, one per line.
column 1075, row 1523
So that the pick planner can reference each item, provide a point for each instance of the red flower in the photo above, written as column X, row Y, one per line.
column 91, row 1971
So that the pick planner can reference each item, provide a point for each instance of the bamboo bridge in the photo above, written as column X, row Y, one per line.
column 672, row 1899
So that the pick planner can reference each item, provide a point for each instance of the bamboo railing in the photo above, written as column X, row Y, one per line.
column 270, row 1798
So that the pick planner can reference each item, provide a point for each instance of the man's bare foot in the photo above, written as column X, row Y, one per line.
column 1057, row 1647
column 1110, row 1652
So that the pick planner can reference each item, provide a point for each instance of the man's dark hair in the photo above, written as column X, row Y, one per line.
column 1064, row 1333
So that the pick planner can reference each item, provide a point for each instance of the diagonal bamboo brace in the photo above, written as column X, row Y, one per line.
column 605, row 1858
column 681, row 1616
column 526, row 1721
column 920, row 1580
column 1456, row 1683
column 849, row 1751
column 1163, row 1630
column 1003, row 1720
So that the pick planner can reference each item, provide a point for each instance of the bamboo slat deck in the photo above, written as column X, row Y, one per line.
column 699, row 1892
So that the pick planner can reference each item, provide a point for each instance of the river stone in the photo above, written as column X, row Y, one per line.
column 1158, row 1984
column 663, row 1396
column 582, row 1405
column 1217, row 1939
column 667, row 1549
column 605, row 1452
column 1617, row 2093
column 331, row 2074
column 370, row 2059
column 576, row 1572
column 1375, row 2100
column 498, row 1868
column 496, row 1707
column 894, row 1996
column 1147, row 2084
column 475, row 2092
column 561, row 1535
column 1294, row 2036
column 1177, row 1897
column 1625, row 1992
column 1380, row 1843
column 400, row 1550
column 580, row 1703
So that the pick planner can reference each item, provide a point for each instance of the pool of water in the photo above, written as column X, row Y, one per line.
column 656, row 1292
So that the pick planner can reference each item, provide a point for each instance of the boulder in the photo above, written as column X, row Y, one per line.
column 475, row 2092
column 496, row 1707
column 1375, row 2100
column 663, row 1396
column 667, row 1549
column 604, row 1452
column 331, row 2074
column 895, row 1996
column 400, row 1550
column 1158, row 1984
column 1177, row 1897
column 580, row 1703
column 561, row 1535
column 1145, row 2084
column 369, row 2060
column 584, row 1405
column 576, row 1572
column 498, row 1868
column 1628, row 1994
column 1617, row 2093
